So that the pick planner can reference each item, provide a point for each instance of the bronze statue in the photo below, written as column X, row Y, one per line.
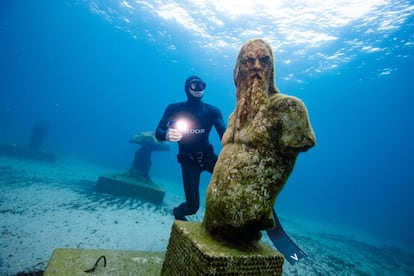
column 266, row 132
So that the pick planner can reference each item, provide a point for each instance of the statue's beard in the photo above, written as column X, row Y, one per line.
column 250, row 97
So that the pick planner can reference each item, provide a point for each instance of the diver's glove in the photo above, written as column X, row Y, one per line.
column 173, row 135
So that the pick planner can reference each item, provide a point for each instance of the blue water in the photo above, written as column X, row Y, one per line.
column 100, row 71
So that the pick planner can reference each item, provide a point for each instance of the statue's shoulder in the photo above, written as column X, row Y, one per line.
column 285, row 102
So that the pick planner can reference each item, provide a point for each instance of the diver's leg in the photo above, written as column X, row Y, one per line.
column 191, row 180
column 209, row 162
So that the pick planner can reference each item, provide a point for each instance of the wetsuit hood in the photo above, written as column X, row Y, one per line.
column 191, row 98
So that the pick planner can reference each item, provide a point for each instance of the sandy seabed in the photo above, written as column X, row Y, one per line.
column 44, row 206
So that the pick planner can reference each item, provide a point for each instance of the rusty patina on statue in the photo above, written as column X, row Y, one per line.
column 265, row 134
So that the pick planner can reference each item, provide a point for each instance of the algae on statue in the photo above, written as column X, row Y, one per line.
column 266, row 132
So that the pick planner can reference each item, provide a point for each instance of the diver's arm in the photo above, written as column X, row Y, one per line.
column 160, row 134
column 162, row 128
column 219, row 124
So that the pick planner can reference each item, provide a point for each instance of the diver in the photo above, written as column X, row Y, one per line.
column 189, row 123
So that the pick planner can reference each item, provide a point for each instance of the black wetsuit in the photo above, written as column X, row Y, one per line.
column 196, row 154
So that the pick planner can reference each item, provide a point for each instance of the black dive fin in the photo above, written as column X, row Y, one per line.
column 283, row 243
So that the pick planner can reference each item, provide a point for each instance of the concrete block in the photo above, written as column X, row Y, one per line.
column 125, row 186
column 73, row 262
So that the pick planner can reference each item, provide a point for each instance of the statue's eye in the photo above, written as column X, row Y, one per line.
column 265, row 60
column 251, row 61
column 248, row 60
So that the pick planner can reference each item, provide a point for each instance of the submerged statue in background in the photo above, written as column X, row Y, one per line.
column 142, row 161
column 33, row 150
column 265, row 134
column 38, row 135
column 136, row 182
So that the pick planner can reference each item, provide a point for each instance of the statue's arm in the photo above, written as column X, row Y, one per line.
column 296, row 132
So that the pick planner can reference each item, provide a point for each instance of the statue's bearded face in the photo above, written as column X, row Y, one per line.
column 255, row 63
column 253, row 77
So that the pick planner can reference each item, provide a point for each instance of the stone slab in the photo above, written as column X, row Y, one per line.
column 15, row 151
column 73, row 262
column 125, row 186
column 192, row 251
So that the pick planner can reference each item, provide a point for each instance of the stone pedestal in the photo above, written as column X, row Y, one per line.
column 12, row 150
column 125, row 186
column 192, row 251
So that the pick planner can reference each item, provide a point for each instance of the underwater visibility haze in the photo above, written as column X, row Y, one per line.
column 100, row 71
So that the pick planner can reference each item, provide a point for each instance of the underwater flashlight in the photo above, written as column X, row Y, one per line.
column 181, row 125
